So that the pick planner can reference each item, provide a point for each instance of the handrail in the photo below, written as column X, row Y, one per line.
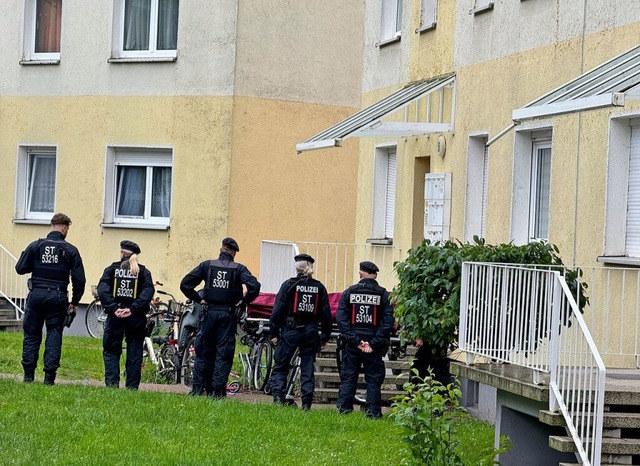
column 13, row 287
column 527, row 316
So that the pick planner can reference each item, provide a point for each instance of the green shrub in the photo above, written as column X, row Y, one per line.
column 427, row 297
column 429, row 414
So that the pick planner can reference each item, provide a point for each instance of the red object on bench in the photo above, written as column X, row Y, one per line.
column 262, row 306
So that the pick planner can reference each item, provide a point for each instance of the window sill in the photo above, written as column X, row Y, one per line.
column 425, row 28
column 386, row 42
column 380, row 241
column 482, row 9
column 135, row 226
column 142, row 59
column 32, row 221
column 620, row 260
column 39, row 62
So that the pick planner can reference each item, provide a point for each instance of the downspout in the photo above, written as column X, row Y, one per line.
column 578, row 145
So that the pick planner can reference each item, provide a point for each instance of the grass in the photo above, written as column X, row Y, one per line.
column 85, row 424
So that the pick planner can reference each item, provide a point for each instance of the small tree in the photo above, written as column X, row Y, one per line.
column 427, row 297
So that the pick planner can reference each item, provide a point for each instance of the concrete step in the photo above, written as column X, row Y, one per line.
column 10, row 325
column 400, row 365
column 7, row 313
column 332, row 393
column 334, row 377
column 610, row 446
column 610, row 420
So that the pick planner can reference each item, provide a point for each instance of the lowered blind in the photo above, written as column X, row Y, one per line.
column 632, row 246
column 390, row 203
column 485, row 189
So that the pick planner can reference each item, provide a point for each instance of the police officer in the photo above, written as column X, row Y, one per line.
column 301, row 304
column 51, row 261
column 125, row 291
column 365, row 320
column 223, row 296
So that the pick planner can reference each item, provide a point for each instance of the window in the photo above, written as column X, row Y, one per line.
column 477, row 187
column 632, row 240
column 428, row 11
column 36, row 184
column 43, row 19
column 437, row 206
column 532, row 186
column 391, row 20
column 384, row 194
column 138, row 189
column 145, row 29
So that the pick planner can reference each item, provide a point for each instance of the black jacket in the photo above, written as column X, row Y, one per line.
column 73, row 269
column 140, row 305
column 197, row 275
column 281, row 306
column 376, row 337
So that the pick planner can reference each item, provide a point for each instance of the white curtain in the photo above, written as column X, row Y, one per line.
column 543, row 187
column 137, row 14
column 131, row 191
column 161, row 192
column 42, row 188
column 167, row 25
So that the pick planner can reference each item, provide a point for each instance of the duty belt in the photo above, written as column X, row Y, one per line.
column 50, row 287
column 220, row 307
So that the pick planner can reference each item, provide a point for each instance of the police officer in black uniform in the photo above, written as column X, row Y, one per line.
column 365, row 321
column 125, row 291
column 301, row 304
column 223, row 297
column 51, row 261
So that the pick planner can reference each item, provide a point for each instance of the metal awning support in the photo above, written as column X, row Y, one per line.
column 604, row 86
column 368, row 122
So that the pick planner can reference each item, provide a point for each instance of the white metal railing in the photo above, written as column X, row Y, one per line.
column 13, row 287
column 336, row 264
column 527, row 316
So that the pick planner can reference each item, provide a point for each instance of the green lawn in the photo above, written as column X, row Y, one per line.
column 78, row 424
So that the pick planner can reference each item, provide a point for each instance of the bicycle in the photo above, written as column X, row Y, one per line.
column 166, row 359
column 95, row 317
column 257, row 363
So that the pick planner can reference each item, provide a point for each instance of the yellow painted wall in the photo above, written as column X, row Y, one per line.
column 278, row 194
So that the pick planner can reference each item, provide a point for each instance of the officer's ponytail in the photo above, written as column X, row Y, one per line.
column 132, row 262
column 305, row 268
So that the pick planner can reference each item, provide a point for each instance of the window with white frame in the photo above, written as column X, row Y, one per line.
column 36, row 183
column 477, row 187
column 437, row 206
column 384, row 194
column 42, row 29
column 145, row 28
column 391, row 27
column 138, row 186
column 540, row 190
column 428, row 14
column 531, row 186
column 632, row 230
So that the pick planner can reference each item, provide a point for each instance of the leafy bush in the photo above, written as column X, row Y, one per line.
column 429, row 413
column 427, row 297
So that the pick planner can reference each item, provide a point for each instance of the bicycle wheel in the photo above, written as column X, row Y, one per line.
column 168, row 365
column 293, row 378
column 94, row 319
column 262, row 364
column 188, row 359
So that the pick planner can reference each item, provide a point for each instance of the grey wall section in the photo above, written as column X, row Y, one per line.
column 205, row 63
column 317, row 40
column 533, row 24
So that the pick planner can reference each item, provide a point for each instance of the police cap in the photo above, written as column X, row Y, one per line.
column 369, row 267
column 304, row 257
column 129, row 246
column 231, row 243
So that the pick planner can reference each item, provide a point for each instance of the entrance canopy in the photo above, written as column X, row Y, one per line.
column 606, row 85
column 369, row 121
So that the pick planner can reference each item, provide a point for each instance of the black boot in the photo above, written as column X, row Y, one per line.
column 49, row 378
column 219, row 393
column 29, row 376
column 196, row 390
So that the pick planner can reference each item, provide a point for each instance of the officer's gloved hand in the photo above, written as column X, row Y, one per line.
column 71, row 314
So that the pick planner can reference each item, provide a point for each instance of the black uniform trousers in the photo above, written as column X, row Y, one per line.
column 215, row 346
column 43, row 306
column 374, row 372
column 307, row 339
column 133, row 330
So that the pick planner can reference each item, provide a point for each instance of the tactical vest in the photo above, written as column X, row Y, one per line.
column 126, row 285
column 51, row 262
column 303, row 299
column 223, row 283
column 366, row 306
